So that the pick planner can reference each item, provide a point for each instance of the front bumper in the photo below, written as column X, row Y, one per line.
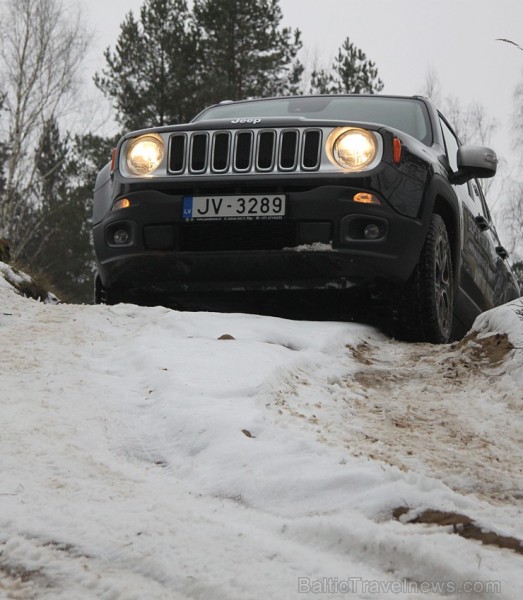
column 319, row 244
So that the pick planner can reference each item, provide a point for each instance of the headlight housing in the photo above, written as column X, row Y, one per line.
column 145, row 154
column 351, row 148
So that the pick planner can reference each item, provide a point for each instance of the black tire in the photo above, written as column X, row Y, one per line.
column 98, row 290
column 425, row 309
column 102, row 295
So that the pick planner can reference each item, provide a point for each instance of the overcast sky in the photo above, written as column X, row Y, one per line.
column 405, row 38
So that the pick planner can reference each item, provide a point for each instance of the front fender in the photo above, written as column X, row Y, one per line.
column 102, row 199
column 441, row 198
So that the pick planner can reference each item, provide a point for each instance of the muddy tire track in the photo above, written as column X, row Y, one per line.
column 450, row 411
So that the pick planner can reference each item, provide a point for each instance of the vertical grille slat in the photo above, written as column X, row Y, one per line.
column 245, row 151
column 177, row 158
column 220, row 156
column 266, row 146
column 311, row 149
column 199, row 145
column 288, row 150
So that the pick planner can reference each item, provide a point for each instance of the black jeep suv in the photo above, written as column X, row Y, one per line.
column 305, row 193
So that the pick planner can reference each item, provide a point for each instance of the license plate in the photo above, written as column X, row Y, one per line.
column 234, row 207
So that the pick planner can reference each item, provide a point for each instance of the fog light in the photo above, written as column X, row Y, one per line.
column 371, row 232
column 121, row 237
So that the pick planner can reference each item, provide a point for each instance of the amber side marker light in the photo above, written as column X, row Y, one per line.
column 396, row 151
column 122, row 203
column 366, row 198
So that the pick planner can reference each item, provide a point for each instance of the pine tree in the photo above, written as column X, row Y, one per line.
column 172, row 63
column 87, row 155
column 351, row 73
column 43, row 250
column 244, row 51
column 59, row 248
column 151, row 75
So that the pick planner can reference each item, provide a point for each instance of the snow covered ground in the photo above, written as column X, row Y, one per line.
column 151, row 454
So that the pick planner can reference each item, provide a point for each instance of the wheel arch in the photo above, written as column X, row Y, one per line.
column 444, row 209
column 442, row 200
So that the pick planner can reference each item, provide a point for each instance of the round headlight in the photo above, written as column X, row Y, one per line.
column 145, row 154
column 351, row 148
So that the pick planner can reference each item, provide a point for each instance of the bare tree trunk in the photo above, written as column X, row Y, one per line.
column 518, row 119
column 471, row 123
column 41, row 49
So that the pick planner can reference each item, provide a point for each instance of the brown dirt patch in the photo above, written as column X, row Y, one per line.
column 461, row 525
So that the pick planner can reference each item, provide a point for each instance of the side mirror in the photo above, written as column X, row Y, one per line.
column 475, row 161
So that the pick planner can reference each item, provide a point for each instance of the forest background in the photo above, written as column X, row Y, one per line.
column 168, row 63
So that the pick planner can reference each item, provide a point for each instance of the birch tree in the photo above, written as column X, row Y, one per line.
column 518, row 119
column 513, row 213
column 42, row 46
column 471, row 122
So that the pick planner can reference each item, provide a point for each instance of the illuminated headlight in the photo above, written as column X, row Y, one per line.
column 145, row 154
column 351, row 148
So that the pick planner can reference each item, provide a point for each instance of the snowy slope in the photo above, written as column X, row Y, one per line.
column 152, row 454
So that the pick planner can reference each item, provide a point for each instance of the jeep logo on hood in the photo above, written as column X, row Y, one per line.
column 252, row 120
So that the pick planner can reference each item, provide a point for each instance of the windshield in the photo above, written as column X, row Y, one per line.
column 406, row 114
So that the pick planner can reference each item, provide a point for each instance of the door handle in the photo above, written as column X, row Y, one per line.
column 501, row 252
column 482, row 223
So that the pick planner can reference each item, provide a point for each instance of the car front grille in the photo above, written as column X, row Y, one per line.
column 246, row 151
column 236, row 236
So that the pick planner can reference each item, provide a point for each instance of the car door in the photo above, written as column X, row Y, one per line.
column 504, row 287
column 493, row 256
column 479, row 260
